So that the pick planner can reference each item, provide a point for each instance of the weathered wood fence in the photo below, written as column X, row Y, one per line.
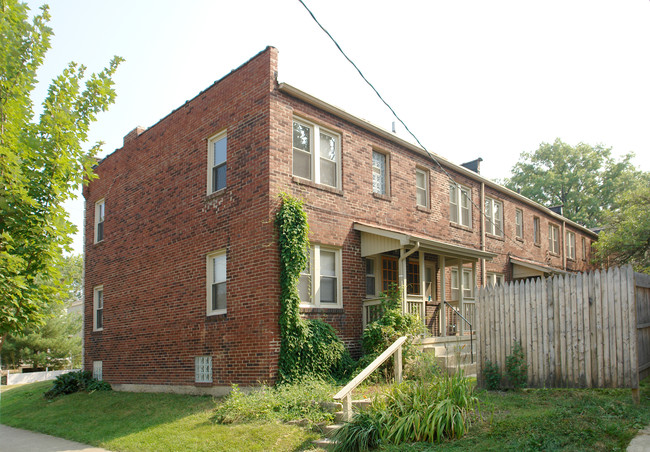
column 582, row 330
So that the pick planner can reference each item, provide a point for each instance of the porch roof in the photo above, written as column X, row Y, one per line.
column 375, row 240
column 524, row 268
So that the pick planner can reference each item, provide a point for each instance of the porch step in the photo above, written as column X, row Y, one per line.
column 452, row 354
column 328, row 430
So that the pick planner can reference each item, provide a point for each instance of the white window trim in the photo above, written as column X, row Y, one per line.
column 519, row 225
column 315, row 131
column 203, row 369
column 493, row 277
column 460, row 190
column 537, row 232
column 209, row 272
column 316, row 275
column 466, row 271
column 99, row 206
column 425, row 173
column 213, row 139
column 554, row 238
column 491, row 226
column 377, row 279
column 570, row 245
column 386, row 175
column 96, row 290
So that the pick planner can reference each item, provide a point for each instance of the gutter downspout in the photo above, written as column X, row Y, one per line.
column 481, row 204
column 402, row 260
column 563, row 249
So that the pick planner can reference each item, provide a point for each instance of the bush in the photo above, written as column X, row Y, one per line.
column 492, row 376
column 360, row 434
column 422, row 366
column 286, row 402
column 516, row 367
column 74, row 382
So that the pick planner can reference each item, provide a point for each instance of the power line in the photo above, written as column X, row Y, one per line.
column 451, row 179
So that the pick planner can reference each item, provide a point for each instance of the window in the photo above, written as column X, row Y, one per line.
column 570, row 240
column 371, row 280
column 413, row 277
column 99, row 220
column 216, row 265
column 380, row 173
column 494, row 217
column 388, row 272
column 553, row 239
column 468, row 283
column 316, row 159
column 584, row 249
column 98, row 370
column 460, row 211
column 536, row 231
column 217, row 153
column 98, row 308
column 494, row 279
column 203, row 369
column 422, row 187
column 519, row 224
column 320, row 282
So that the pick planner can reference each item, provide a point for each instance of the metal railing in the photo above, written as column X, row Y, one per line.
column 471, row 332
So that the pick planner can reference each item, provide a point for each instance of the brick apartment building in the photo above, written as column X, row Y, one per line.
column 181, row 259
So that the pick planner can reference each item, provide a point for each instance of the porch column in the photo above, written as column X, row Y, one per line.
column 401, row 268
column 423, row 306
column 443, row 298
column 460, row 324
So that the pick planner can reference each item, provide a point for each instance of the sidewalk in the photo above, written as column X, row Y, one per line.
column 641, row 442
column 17, row 440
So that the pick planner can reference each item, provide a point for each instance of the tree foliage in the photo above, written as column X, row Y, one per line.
column 625, row 238
column 584, row 179
column 42, row 162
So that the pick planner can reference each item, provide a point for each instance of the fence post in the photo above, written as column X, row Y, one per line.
column 398, row 364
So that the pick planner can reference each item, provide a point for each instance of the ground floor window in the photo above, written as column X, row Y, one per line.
column 494, row 279
column 468, row 283
column 98, row 370
column 320, row 281
column 389, row 273
column 203, row 369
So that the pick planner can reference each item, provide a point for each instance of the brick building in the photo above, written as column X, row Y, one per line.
column 181, row 259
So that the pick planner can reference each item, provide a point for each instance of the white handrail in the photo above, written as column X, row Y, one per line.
column 345, row 393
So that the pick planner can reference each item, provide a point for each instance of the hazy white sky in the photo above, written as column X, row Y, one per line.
column 471, row 78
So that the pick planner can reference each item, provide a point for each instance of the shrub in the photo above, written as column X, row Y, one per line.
column 516, row 367
column 422, row 366
column 492, row 375
column 74, row 382
column 360, row 434
column 286, row 402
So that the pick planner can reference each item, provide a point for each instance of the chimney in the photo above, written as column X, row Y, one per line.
column 557, row 209
column 474, row 165
column 133, row 134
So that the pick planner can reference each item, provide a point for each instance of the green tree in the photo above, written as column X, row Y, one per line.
column 584, row 179
column 41, row 163
column 625, row 238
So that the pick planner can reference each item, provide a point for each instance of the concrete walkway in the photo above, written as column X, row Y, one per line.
column 641, row 442
column 17, row 440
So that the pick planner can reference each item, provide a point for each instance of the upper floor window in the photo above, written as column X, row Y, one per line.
column 316, row 154
column 494, row 217
column 494, row 279
column 380, row 173
column 537, row 231
column 460, row 211
column 320, row 281
column 216, row 265
column 584, row 249
column 570, row 240
column 519, row 223
column 217, row 153
column 99, row 220
column 98, row 308
column 422, row 187
column 553, row 239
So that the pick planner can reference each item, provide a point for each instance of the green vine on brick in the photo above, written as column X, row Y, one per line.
column 308, row 348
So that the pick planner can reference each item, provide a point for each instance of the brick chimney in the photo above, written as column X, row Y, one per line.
column 133, row 134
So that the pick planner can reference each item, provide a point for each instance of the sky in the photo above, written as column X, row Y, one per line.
column 470, row 78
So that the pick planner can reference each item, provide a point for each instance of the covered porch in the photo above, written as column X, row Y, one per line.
column 437, row 279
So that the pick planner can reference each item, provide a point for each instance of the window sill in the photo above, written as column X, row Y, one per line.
column 495, row 237
column 99, row 242
column 519, row 239
column 380, row 196
column 460, row 226
column 98, row 330
column 308, row 183
column 216, row 313
column 317, row 309
column 423, row 209
column 538, row 245
column 215, row 194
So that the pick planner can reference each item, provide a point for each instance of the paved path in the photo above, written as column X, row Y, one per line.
column 641, row 442
column 17, row 440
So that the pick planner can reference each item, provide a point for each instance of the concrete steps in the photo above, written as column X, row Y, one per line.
column 451, row 354
column 327, row 441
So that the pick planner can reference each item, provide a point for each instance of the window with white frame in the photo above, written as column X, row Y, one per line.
column 316, row 153
column 519, row 223
column 553, row 239
column 537, row 235
column 217, row 156
column 100, row 207
column 570, row 240
column 216, row 277
column 320, row 282
column 494, row 279
column 422, row 187
column 493, row 217
column 460, row 210
column 584, row 249
column 98, row 370
column 380, row 173
column 468, row 283
column 98, row 308
column 203, row 369
column 371, row 279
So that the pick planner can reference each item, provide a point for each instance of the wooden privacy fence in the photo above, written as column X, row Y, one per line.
column 582, row 330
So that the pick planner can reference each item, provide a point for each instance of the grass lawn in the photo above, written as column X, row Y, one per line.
column 557, row 419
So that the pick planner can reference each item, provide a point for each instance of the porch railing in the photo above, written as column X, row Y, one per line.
column 471, row 332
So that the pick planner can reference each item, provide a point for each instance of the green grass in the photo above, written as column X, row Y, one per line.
column 121, row 421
